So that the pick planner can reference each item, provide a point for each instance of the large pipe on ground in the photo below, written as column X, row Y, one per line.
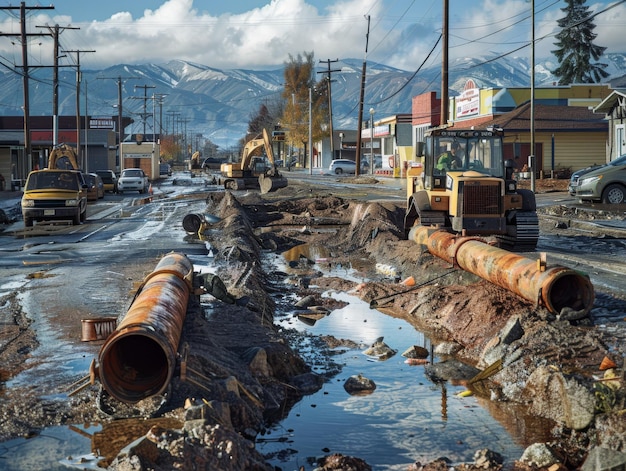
column 138, row 359
column 555, row 288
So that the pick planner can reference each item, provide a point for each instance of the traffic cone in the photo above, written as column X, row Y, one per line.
column 607, row 364
column 150, row 189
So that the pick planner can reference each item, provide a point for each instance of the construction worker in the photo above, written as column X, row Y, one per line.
column 449, row 159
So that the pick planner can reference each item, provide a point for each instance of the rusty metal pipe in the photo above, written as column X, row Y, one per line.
column 554, row 288
column 138, row 359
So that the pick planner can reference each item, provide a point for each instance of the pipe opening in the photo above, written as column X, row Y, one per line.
column 192, row 223
column 570, row 290
column 136, row 367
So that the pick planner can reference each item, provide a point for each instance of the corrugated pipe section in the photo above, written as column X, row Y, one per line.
column 555, row 288
column 138, row 359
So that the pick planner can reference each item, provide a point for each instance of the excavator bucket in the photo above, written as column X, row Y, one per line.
column 269, row 183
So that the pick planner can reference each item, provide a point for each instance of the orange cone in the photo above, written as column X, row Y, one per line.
column 410, row 281
column 150, row 189
column 607, row 364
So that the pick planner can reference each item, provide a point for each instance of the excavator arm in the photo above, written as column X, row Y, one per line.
column 254, row 144
column 63, row 157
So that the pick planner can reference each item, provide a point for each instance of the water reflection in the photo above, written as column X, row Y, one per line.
column 406, row 419
column 324, row 260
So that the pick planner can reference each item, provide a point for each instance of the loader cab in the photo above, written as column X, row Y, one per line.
column 477, row 196
column 477, row 151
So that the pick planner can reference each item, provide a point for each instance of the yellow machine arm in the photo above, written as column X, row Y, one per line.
column 255, row 144
column 195, row 159
column 63, row 157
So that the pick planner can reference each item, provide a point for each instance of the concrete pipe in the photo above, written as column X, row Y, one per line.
column 555, row 288
column 194, row 223
column 138, row 359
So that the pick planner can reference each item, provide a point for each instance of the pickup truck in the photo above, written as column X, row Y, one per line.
column 53, row 194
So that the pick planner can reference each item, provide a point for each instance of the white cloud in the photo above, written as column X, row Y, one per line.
column 402, row 32
column 261, row 37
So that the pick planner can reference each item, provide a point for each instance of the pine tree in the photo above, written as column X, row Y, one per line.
column 575, row 47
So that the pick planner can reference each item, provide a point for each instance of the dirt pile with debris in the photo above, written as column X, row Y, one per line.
column 241, row 374
column 530, row 356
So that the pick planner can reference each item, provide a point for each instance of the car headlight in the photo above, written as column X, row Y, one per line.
column 28, row 203
column 73, row 202
column 589, row 180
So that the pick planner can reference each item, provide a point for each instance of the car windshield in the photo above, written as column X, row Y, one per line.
column 45, row 180
column 106, row 177
column 131, row 173
column 619, row 161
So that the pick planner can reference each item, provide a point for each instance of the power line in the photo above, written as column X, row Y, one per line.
column 23, row 36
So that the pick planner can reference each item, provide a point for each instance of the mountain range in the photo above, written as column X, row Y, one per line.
column 217, row 104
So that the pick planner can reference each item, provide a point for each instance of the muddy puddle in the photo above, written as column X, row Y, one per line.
column 87, row 446
column 407, row 418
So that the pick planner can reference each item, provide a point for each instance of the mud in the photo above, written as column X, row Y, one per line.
column 242, row 373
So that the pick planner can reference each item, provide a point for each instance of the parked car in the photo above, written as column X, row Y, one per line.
column 573, row 181
column 95, row 186
column 109, row 180
column 54, row 195
column 132, row 179
column 340, row 166
column 606, row 184
column 165, row 169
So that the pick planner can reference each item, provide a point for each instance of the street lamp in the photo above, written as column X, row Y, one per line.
column 372, row 141
column 341, row 135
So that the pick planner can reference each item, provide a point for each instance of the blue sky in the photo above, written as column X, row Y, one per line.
column 258, row 34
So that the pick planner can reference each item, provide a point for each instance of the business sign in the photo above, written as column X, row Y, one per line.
column 45, row 137
column 381, row 130
column 468, row 103
column 101, row 123
column 137, row 156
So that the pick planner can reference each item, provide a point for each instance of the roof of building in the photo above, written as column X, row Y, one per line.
column 611, row 101
column 547, row 118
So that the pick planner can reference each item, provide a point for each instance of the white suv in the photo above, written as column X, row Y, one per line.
column 132, row 179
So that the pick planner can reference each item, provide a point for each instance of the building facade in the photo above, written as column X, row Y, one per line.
column 568, row 134
column 96, row 138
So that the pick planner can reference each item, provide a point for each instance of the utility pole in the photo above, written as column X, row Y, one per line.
column 144, row 115
column 158, row 100
column 532, row 159
column 330, row 102
column 55, row 80
column 23, row 37
column 443, row 119
column 120, row 131
column 78, row 80
column 362, row 97
column 175, row 115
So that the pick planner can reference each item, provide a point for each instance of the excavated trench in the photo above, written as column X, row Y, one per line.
column 532, row 359
column 539, row 373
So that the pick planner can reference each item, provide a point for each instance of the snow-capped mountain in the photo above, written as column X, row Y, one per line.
column 198, row 99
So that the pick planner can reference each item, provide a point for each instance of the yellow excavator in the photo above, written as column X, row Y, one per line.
column 254, row 170
column 63, row 157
